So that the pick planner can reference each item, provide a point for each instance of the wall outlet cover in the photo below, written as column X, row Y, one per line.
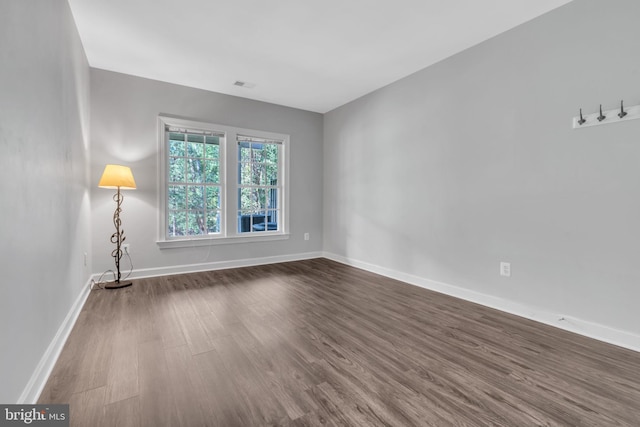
column 505, row 269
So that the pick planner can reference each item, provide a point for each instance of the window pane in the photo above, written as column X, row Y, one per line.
column 273, row 198
column 177, row 197
column 195, row 197
column 176, row 169
column 256, row 152
column 195, row 149
column 212, row 140
column 176, row 136
column 271, row 174
column 260, row 195
column 176, row 148
column 212, row 151
column 247, row 199
column 213, row 198
column 245, row 174
column 244, row 223
column 195, row 138
column 213, row 222
column 176, row 224
column 211, row 171
column 270, row 222
column 258, row 174
column 261, row 174
column 271, row 153
column 250, row 221
column 195, row 222
column 195, row 169
column 244, row 148
column 253, row 199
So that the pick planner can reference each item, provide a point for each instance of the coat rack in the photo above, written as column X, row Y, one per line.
column 620, row 114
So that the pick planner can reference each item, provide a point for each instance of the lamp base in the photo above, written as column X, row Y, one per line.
column 117, row 285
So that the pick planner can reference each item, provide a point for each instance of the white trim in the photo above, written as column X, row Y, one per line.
column 596, row 331
column 204, row 241
column 218, row 265
column 39, row 378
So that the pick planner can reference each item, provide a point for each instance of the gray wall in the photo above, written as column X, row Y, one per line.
column 124, row 111
column 44, row 135
column 473, row 161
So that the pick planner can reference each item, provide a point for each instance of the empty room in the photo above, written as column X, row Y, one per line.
column 305, row 213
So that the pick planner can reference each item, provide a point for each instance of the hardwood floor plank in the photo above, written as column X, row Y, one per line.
column 87, row 408
column 146, row 325
column 281, row 375
column 124, row 413
column 183, row 383
column 318, row 418
column 253, row 384
column 122, row 374
column 157, row 398
column 193, row 329
column 331, row 407
column 163, row 308
column 317, row 343
column 84, row 368
column 220, row 393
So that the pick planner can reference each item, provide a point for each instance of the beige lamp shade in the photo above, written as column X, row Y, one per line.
column 116, row 176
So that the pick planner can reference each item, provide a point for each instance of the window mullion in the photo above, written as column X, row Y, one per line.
column 232, row 183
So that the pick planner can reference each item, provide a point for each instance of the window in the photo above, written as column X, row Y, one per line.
column 220, row 184
column 258, row 188
column 193, row 182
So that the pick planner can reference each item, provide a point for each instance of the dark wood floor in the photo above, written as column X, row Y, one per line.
column 319, row 343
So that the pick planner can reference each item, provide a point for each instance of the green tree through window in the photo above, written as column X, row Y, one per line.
column 219, row 183
column 193, row 191
column 258, row 190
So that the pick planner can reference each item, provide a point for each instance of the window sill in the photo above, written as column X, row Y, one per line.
column 211, row 241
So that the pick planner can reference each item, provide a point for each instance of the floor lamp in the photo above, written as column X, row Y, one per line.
column 118, row 177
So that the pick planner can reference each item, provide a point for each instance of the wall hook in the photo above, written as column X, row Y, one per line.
column 622, row 113
column 619, row 113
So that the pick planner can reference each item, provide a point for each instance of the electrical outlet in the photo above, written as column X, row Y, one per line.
column 126, row 248
column 84, row 259
column 505, row 269
column 306, row 236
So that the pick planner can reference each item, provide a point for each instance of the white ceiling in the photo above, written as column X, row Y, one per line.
column 310, row 54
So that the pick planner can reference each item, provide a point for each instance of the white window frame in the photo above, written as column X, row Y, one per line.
column 229, row 186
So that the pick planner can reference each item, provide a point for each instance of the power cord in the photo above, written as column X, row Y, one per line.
column 126, row 251
column 100, row 283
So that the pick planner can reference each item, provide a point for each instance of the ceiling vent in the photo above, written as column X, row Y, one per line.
column 244, row 84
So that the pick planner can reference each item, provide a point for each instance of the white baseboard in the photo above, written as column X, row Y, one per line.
column 589, row 329
column 38, row 380
column 218, row 265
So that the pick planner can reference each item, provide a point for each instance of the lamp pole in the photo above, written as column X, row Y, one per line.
column 117, row 238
